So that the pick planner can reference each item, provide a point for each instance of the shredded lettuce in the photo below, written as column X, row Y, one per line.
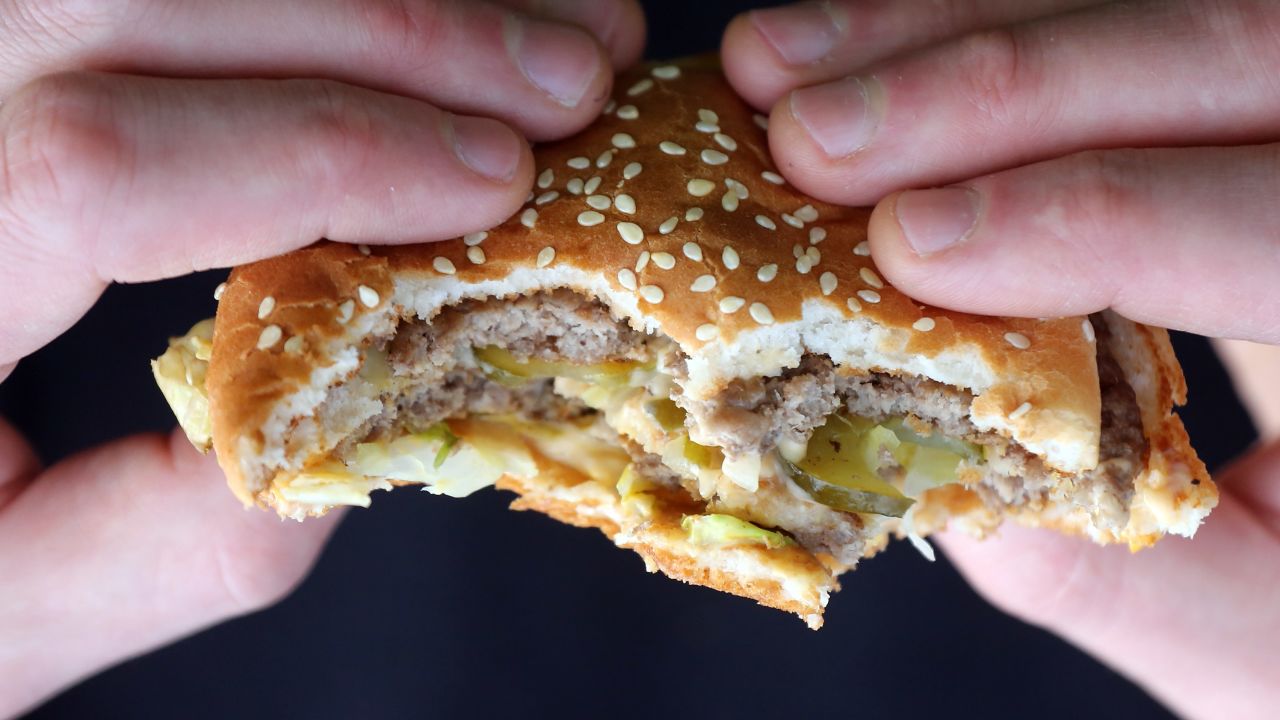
column 719, row 530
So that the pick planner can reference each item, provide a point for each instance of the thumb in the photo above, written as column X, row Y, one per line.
column 1195, row 622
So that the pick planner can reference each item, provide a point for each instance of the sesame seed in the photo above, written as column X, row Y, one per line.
column 652, row 293
column 814, row 255
column 726, row 142
column 761, row 313
column 699, row 187
column 217, row 292
column 1021, row 410
column 623, row 141
column 1018, row 340
column 605, row 159
column 627, row 279
column 626, row 204
column 346, row 310
column 592, row 185
column 870, row 277
column 545, row 179
column 766, row 223
column 1087, row 327
column 293, row 345
column 528, row 218
column 664, row 260
column 870, row 296
column 631, row 233
column 670, row 148
column 476, row 255
column 772, row 177
column 668, row 225
column 854, row 305
column 575, row 186
column 708, row 116
column 270, row 335
column 730, row 257
column 369, row 297
column 804, row 265
column 793, row 221
column 817, row 235
column 828, row 282
column 579, row 163
column 632, row 170
column 546, row 197
column 703, row 283
column 693, row 214
column 767, row 273
column 797, row 251
column 643, row 261
column 640, row 88
column 714, row 157
column 666, row 72
column 628, row 112
column 729, row 202
column 599, row 202
column 609, row 106
column 265, row 307
column 707, row 127
column 761, row 121
column 364, row 249
column 693, row 251
column 545, row 256
column 732, row 304
column 590, row 218
column 807, row 213
column 738, row 188
column 924, row 324
column 863, row 249
column 706, row 332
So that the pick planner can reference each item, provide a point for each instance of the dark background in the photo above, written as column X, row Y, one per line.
column 426, row 606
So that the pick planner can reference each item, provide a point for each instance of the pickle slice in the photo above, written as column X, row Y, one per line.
column 848, row 499
column 506, row 368
column 666, row 413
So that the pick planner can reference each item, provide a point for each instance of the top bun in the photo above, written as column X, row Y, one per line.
column 670, row 211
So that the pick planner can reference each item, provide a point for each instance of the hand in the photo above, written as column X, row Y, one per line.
column 112, row 169
column 1020, row 108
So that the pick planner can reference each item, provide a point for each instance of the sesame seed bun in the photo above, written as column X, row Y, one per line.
column 670, row 212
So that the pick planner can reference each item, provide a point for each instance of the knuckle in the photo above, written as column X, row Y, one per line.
column 59, row 148
column 338, row 133
column 1104, row 193
column 999, row 75
column 402, row 33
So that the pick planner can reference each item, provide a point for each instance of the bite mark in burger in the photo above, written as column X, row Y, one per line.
column 674, row 346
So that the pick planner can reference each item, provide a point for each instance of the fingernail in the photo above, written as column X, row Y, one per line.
column 802, row 34
column 486, row 146
column 840, row 116
column 934, row 220
column 559, row 60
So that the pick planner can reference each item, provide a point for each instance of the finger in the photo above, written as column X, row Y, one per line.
column 546, row 78
column 1194, row 622
column 767, row 53
column 1043, row 89
column 1255, row 372
column 1186, row 239
column 18, row 463
column 124, row 548
column 115, row 178
column 619, row 25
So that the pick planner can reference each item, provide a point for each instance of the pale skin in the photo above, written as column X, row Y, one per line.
column 111, row 176
column 988, row 132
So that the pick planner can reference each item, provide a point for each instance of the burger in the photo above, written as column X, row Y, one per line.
column 670, row 344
